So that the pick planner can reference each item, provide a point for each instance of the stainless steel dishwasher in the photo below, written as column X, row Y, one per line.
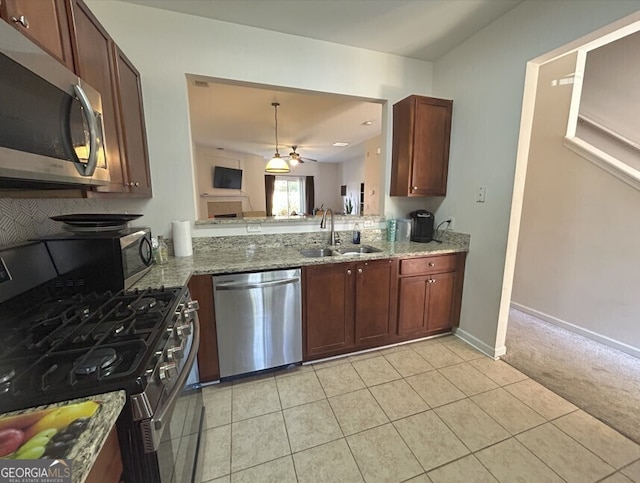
column 258, row 320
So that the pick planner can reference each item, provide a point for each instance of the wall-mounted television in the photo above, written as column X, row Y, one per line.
column 227, row 178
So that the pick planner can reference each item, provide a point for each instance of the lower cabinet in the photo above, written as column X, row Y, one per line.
column 107, row 467
column 347, row 306
column 201, row 289
column 429, row 294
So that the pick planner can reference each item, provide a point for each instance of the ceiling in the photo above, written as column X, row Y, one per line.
column 241, row 118
column 420, row 29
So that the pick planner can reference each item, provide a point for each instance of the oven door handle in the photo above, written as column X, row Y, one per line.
column 159, row 420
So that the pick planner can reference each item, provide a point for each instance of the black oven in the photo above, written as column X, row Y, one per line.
column 120, row 257
column 62, row 340
column 167, row 439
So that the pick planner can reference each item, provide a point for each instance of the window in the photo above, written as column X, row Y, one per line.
column 288, row 196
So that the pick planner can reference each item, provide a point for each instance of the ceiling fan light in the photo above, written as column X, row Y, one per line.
column 293, row 162
column 277, row 165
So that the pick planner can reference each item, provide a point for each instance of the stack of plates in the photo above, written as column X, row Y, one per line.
column 95, row 222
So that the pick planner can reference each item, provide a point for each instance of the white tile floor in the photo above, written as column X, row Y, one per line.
column 431, row 411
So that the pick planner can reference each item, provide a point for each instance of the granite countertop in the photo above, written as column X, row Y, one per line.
column 251, row 258
column 84, row 452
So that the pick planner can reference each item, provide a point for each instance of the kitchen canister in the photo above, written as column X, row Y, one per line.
column 392, row 227
column 181, row 231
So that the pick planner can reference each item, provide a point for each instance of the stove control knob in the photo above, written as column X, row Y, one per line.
column 188, row 314
column 167, row 371
column 183, row 330
column 193, row 305
column 175, row 353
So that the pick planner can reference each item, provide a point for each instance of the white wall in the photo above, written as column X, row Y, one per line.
column 164, row 46
column 252, row 192
column 352, row 173
column 327, row 184
column 610, row 93
column 485, row 77
column 576, row 261
column 373, row 173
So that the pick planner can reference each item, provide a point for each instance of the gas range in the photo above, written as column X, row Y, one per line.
column 80, row 343
column 70, row 334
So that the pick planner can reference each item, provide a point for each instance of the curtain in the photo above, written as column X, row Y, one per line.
column 309, row 195
column 269, row 186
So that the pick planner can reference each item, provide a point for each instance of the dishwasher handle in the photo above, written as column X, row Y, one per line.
column 247, row 286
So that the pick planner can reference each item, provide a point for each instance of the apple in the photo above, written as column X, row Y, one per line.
column 10, row 441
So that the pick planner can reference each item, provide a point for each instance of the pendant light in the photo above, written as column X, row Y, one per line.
column 277, row 165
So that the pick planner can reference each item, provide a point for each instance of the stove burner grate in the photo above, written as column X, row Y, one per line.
column 143, row 304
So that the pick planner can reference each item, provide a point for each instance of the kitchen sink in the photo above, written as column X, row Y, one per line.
column 332, row 252
column 357, row 250
column 318, row 252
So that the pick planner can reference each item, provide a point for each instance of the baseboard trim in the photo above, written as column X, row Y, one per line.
column 589, row 334
column 472, row 340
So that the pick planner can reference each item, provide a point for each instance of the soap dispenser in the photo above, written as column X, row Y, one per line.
column 356, row 234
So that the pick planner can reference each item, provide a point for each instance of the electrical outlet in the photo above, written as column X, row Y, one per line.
column 481, row 195
column 254, row 228
column 452, row 222
column 368, row 224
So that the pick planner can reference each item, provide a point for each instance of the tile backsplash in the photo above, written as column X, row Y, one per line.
column 25, row 219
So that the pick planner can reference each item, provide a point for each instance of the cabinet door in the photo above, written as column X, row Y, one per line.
column 412, row 305
column 420, row 147
column 201, row 289
column 45, row 22
column 328, row 309
column 372, row 301
column 440, row 300
column 95, row 65
column 432, row 130
column 135, row 153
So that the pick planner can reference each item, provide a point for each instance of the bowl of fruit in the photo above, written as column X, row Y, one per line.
column 46, row 433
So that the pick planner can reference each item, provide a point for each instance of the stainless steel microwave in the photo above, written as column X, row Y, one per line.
column 51, row 130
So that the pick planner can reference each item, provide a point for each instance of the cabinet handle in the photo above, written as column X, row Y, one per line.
column 136, row 184
column 414, row 188
column 431, row 264
column 22, row 20
column 359, row 270
column 348, row 272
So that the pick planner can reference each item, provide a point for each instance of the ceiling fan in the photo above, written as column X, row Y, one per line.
column 294, row 158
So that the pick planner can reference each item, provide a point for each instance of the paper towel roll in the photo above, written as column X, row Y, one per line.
column 182, row 238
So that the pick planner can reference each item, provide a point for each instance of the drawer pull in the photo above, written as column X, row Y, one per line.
column 22, row 20
column 431, row 264
column 359, row 270
column 348, row 272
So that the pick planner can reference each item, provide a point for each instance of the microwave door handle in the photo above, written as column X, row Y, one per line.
column 90, row 167
column 146, row 260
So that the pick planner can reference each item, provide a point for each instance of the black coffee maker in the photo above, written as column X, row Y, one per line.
column 421, row 226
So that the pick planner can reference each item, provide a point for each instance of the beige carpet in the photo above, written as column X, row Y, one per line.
column 600, row 380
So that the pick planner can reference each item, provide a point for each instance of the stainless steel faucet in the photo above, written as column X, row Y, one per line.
column 323, row 224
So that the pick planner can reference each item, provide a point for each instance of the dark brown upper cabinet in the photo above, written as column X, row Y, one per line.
column 45, row 22
column 420, row 155
column 103, row 65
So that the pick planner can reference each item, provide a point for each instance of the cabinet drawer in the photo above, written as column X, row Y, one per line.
column 416, row 266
